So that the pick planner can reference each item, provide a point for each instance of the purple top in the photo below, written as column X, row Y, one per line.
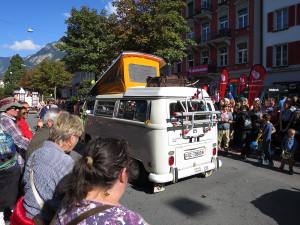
column 117, row 215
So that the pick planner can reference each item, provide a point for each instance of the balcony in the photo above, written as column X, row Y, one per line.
column 223, row 2
column 205, row 39
column 204, row 12
column 222, row 36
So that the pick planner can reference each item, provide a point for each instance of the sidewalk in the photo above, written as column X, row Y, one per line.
column 235, row 153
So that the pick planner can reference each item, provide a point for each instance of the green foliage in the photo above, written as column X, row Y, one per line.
column 94, row 39
column 46, row 76
column 90, row 41
column 153, row 26
column 84, row 88
column 13, row 74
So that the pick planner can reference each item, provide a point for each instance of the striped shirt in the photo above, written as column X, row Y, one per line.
column 9, row 126
column 50, row 165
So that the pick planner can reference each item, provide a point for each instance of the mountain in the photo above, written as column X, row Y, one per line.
column 49, row 51
column 4, row 63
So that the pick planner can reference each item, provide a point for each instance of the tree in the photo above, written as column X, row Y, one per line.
column 153, row 26
column 13, row 74
column 84, row 88
column 47, row 76
column 90, row 42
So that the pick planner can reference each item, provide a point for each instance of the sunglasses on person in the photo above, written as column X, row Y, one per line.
column 14, row 107
column 25, row 113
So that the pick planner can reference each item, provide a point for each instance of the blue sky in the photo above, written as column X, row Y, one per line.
column 45, row 17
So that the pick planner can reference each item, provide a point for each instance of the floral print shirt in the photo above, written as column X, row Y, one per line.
column 117, row 215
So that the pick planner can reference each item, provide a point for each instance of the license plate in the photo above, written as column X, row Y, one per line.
column 194, row 154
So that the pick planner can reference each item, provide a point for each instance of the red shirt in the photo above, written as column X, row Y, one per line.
column 24, row 128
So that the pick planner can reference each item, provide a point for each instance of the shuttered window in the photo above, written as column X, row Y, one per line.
column 291, row 16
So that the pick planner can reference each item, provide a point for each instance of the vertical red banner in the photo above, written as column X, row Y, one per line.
column 256, row 82
column 242, row 83
column 223, row 83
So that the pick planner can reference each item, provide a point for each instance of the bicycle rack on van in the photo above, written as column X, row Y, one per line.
column 188, row 122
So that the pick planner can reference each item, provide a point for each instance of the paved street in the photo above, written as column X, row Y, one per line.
column 239, row 193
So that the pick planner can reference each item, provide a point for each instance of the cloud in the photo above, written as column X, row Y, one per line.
column 67, row 15
column 110, row 8
column 24, row 45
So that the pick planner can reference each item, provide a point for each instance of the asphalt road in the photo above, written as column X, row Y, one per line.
column 240, row 193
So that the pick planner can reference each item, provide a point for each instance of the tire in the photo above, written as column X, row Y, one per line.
column 206, row 174
column 140, row 175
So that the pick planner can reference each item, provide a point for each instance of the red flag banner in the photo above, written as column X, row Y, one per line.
column 223, row 83
column 256, row 82
column 242, row 83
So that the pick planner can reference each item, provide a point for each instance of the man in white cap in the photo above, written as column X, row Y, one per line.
column 10, row 171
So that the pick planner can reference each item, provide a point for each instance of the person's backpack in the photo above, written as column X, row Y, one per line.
column 8, row 156
column 247, row 123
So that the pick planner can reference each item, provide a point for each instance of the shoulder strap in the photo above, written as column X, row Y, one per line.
column 89, row 213
column 36, row 195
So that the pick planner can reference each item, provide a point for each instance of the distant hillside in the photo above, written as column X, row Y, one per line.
column 4, row 63
column 49, row 51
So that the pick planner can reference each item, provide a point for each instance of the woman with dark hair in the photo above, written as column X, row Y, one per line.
column 97, row 183
column 21, row 121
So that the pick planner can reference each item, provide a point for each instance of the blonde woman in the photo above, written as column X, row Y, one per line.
column 48, row 165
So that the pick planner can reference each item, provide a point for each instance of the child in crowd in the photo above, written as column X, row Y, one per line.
column 288, row 146
column 267, row 131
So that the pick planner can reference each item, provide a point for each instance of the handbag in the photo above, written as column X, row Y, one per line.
column 18, row 217
column 286, row 155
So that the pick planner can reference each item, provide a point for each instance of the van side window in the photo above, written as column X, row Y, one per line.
column 209, row 107
column 105, row 108
column 133, row 110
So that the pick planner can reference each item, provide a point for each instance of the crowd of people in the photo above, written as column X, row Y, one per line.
column 266, row 129
column 43, row 181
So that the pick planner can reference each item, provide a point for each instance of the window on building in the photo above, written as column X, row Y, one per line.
column 223, row 21
column 205, row 57
column 281, row 55
column 243, row 18
column 178, row 67
column 190, row 61
column 190, row 7
column 281, row 19
column 220, row 2
column 223, row 56
column 205, row 32
column 205, row 4
column 242, row 53
column 191, row 34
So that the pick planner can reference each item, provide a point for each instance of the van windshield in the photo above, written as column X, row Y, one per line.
column 193, row 106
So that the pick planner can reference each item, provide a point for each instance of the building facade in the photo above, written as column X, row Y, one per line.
column 227, row 34
column 281, row 43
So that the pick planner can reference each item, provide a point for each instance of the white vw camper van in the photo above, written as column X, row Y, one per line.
column 172, row 131
column 172, row 134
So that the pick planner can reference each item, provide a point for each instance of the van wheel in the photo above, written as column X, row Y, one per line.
column 140, row 175
column 207, row 174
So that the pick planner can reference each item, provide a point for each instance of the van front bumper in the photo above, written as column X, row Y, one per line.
column 176, row 174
